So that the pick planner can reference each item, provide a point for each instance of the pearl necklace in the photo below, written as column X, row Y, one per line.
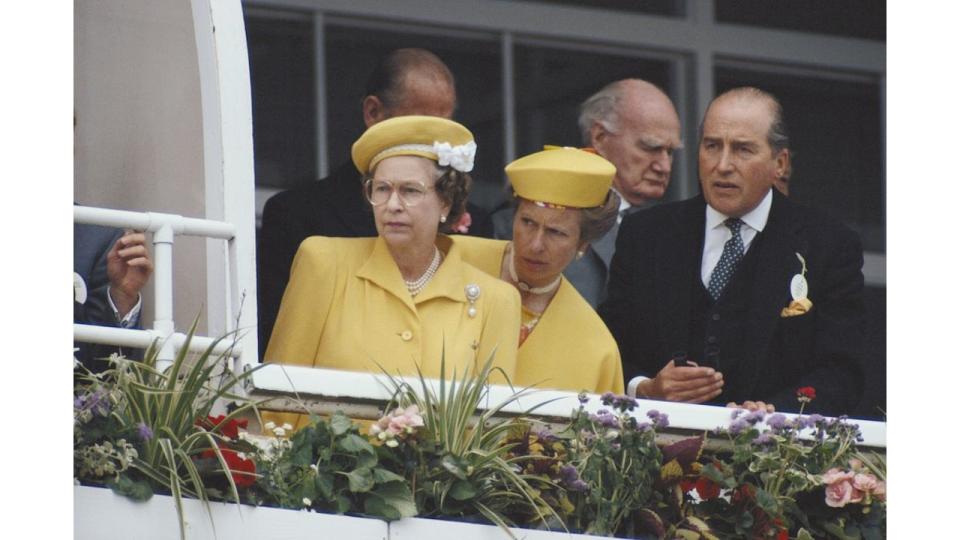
column 511, row 267
column 417, row 285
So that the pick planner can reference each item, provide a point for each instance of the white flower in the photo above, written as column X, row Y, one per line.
column 459, row 157
column 307, row 502
column 241, row 455
column 313, row 467
column 286, row 426
column 392, row 443
column 269, row 425
column 279, row 432
column 242, row 435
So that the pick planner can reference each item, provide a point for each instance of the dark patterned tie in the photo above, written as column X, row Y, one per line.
column 732, row 253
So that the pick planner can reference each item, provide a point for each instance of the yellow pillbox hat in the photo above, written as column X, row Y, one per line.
column 563, row 176
column 439, row 139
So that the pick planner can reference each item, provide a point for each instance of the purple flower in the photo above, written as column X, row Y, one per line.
column 583, row 398
column 605, row 418
column 570, row 478
column 777, row 422
column 764, row 439
column 644, row 426
column 737, row 426
column 545, row 436
column 754, row 416
column 144, row 432
column 625, row 403
column 660, row 420
column 97, row 402
column 736, row 413
column 607, row 398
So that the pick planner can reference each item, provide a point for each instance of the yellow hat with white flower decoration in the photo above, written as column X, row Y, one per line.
column 562, row 176
column 444, row 141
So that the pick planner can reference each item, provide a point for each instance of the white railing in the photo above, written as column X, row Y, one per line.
column 164, row 228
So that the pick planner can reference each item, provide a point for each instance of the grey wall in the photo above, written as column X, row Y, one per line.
column 138, row 135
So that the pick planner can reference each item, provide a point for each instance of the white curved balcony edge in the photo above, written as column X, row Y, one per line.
column 362, row 395
column 99, row 514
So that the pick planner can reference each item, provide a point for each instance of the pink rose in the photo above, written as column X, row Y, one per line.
column 839, row 493
column 880, row 490
column 865, row 482
column 835, row 475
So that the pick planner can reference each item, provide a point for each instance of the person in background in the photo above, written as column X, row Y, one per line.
column 635, row 126
column 739, row 295
column 110, row 268
column 563, row 202
column 406, row 82
column 404, row 299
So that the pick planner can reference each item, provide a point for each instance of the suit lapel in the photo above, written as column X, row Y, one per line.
column 605, row 245
column 777, row 262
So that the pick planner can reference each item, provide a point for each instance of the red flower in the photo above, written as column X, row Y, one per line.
column 687, row 485
column 229, row 430
column 707, row 489
column 806, row 394
column 239, row 467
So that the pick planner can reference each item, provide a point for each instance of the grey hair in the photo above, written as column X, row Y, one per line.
column 602, row 107
column 777, row 136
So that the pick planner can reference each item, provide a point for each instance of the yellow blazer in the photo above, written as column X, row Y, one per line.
column 570, row 348
column 346, row 307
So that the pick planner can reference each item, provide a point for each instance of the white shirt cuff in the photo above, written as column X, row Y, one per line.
column 132, row 317
column 633, row 384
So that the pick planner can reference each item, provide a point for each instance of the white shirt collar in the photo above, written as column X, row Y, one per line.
column 624, row 205
column 756, row 219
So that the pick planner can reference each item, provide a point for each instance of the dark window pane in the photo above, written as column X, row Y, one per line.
column 835, row 136
column 284, row 109
column 350, row 56
column 673, row 8
column 551, row 84
column 865, row 19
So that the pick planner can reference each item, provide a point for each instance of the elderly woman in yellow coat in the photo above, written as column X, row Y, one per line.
column 401, row 300
column 563, row 202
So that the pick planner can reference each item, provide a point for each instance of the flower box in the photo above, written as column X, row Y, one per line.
column 100, row 514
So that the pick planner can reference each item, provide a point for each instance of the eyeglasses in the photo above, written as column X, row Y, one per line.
column 411, row 193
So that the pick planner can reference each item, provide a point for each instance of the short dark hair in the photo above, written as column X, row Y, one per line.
column 453, row 187
column 777, row 136
column 386, row 81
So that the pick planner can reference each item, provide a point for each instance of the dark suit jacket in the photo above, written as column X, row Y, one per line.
column 333, row 206
column 654, row 274
column 91, row 244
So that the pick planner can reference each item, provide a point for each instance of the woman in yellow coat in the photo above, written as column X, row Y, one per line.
column 401, row 300
column 564, row 201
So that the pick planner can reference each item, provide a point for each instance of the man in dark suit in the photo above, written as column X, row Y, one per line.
column 406, row 82
column 110, row 267
column 634, row 125
column 763, row 296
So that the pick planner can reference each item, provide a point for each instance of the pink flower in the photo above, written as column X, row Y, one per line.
column 463, row 224
column 398, row 424
column 880, row 490
column 839, row 493
column 865, row 482
column 835, row 475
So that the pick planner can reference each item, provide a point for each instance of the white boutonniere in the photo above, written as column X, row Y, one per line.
column 798, row 290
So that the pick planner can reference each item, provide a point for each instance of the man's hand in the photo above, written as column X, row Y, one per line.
column 128, row 267
column 689, row 384
column 753, row 406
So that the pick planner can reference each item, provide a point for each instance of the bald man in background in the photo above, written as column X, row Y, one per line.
column 634, row 125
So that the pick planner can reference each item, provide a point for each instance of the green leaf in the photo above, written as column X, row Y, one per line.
column 340, row 424
column 377, row 507
column 802, row 534
column 767, row 501
column 133, row 489
column 355, row 444
column 361, row 480
column 324, row 483
column 367, row 461
column 463, row 490
column 382, row 476
column 450, row 464
column 396, row 496
column 341, row 504
column 835, row 530
column 745, row 522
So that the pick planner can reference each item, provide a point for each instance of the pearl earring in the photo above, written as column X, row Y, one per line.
column 443, row 219
column 579, row 254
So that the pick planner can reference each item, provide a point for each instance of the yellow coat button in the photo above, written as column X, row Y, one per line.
column 406, row 335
